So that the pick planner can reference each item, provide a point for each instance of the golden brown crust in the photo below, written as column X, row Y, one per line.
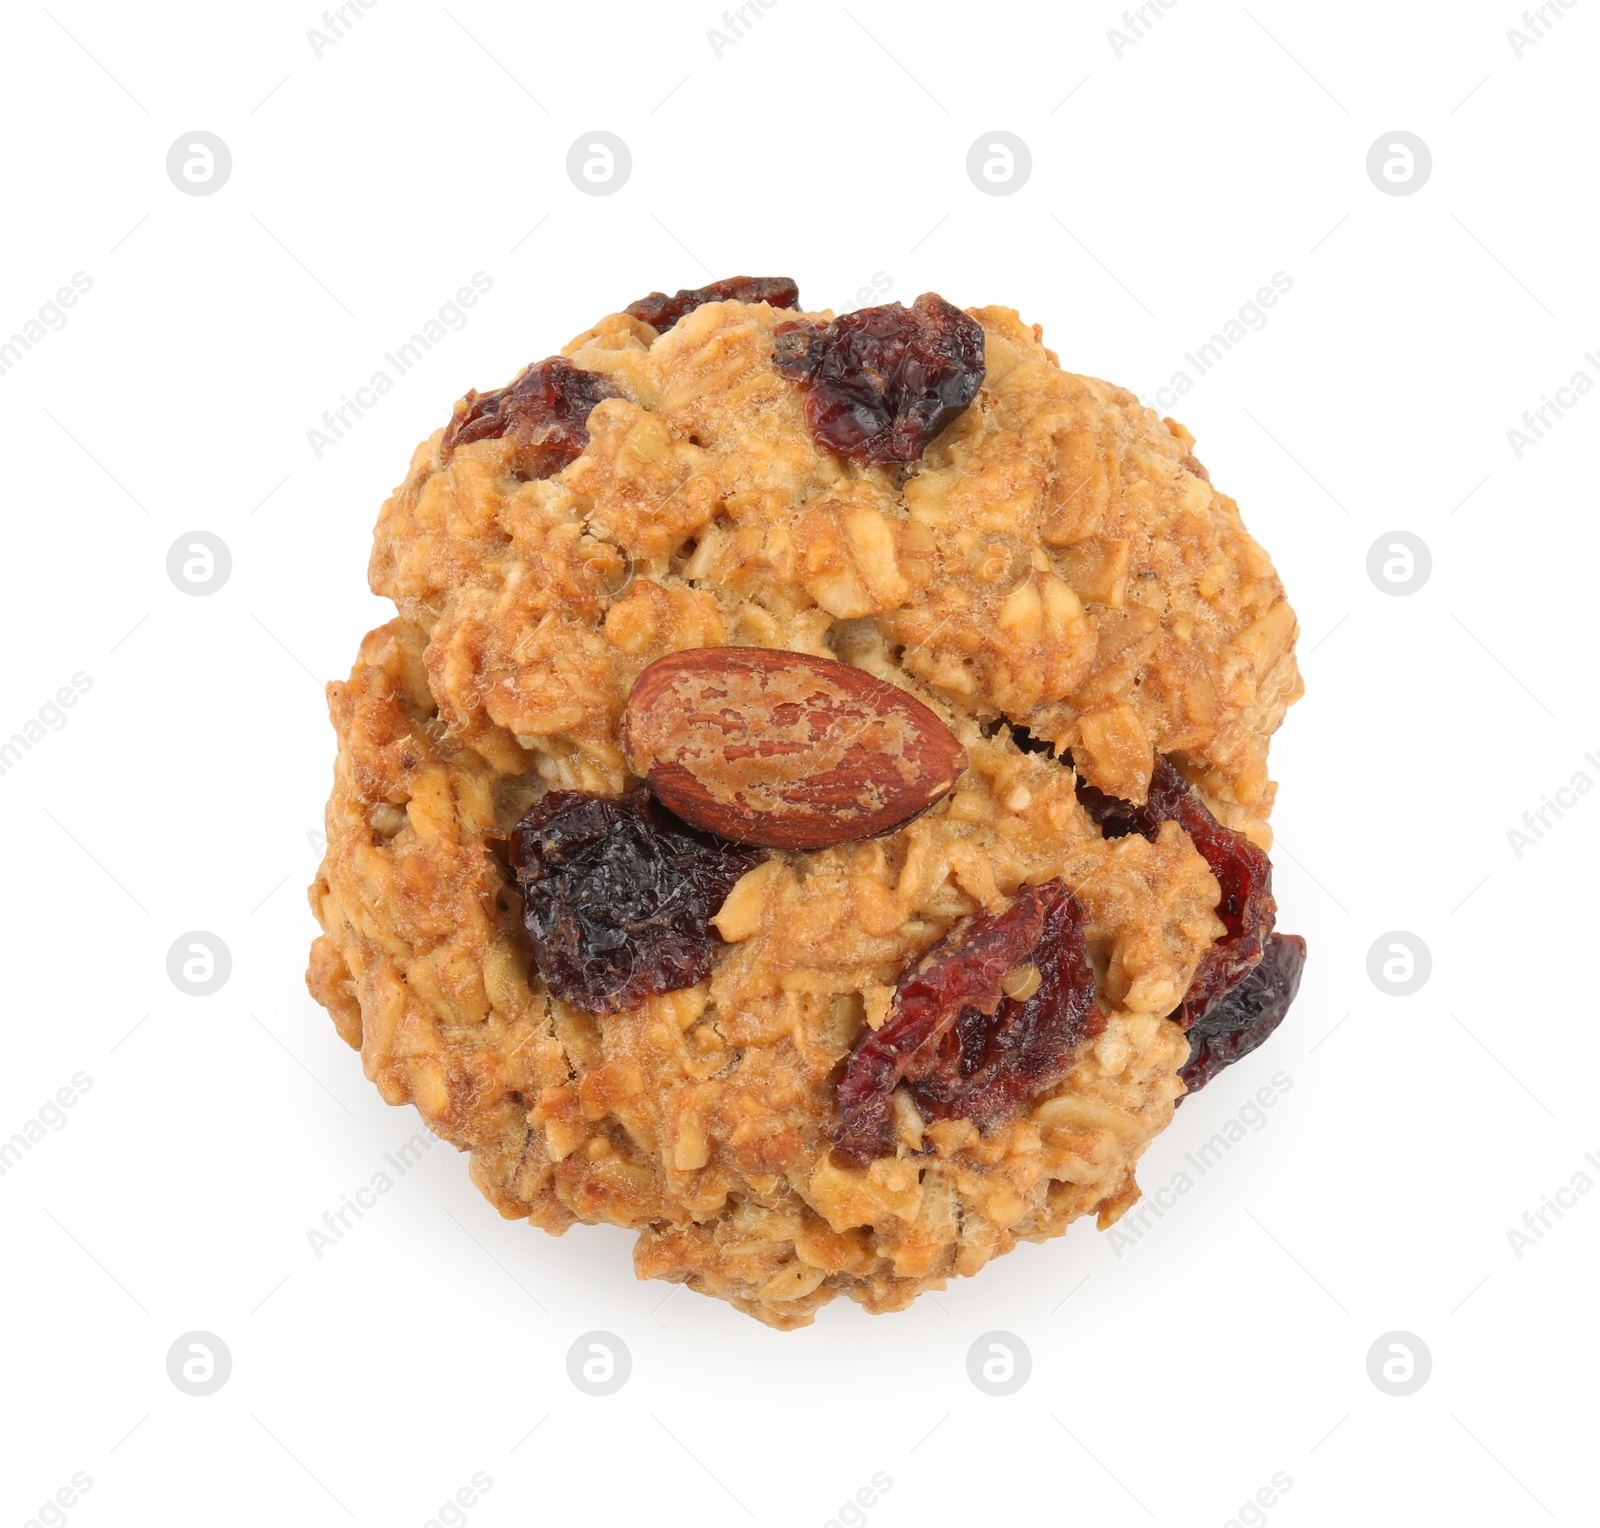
column 1054, row 560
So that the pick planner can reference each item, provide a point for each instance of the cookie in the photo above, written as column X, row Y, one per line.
column 811, row 806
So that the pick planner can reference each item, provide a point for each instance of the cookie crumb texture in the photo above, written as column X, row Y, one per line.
column 1054, row 568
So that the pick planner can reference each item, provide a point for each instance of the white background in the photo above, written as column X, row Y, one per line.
column 1169, row 1383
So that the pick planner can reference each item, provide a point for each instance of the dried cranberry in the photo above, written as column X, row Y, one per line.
column 1247, row 908
column 619, row 896
column 662, row 312
column 984, row 1067
column 795, row 351
column 545, row 411
column 884, row 381
column 964, row 1049
column 1238, row 1022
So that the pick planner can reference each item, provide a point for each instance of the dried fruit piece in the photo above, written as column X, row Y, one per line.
column 784, row 749
column 662, row 312
column 964, row 971
column 795, row 351
column 619, row 895
column 1238, row 1022
column 882, row 382
column 545, row 411
column 962, row 1046
column 985, row 1067
column 1247, row 907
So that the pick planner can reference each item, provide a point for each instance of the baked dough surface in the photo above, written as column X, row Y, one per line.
column 1057, row 560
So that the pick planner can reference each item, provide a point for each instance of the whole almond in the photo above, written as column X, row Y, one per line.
column 782, row 749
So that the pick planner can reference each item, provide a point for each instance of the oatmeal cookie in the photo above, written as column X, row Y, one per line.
column 811, row 804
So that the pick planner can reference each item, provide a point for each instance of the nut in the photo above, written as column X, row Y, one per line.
column 785, row 750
